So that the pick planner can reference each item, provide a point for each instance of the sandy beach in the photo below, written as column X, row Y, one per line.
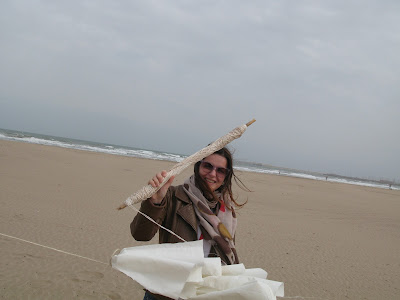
column 324, row 240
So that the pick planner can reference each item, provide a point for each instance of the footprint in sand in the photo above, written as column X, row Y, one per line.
column 41, row 283
column 113, row 296
column 88, row 276
column 19, row 216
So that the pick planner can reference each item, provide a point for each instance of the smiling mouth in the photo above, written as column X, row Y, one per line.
column 210, row 181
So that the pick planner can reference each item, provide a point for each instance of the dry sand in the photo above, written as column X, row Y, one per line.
column 323, row 240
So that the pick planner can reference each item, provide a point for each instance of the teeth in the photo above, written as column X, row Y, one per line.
column 210, row 181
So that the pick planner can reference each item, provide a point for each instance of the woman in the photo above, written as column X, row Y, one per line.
column 201, row 208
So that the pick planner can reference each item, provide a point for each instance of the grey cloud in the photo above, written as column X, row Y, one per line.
column 321, row 78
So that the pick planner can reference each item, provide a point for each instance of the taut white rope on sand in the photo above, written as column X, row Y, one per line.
column 147, row 191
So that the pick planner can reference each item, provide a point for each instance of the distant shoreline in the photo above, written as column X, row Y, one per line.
column 29, row 137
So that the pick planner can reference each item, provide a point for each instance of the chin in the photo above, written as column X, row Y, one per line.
column 211, row 188
column 214, row 188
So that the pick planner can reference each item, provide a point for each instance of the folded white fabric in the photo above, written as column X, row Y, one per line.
column 180, row 271
column 252, row 290
column 216, row 286
column 164, row 268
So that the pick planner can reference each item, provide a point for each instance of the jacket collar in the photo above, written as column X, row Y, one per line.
column 187, row 211
column 181, row 195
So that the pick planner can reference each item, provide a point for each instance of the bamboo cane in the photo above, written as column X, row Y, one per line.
column 147, row 191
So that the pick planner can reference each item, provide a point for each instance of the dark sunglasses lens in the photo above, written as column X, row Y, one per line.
column 208, row 166
column 222, row 171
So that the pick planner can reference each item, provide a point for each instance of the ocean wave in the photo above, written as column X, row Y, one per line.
column 150, row 154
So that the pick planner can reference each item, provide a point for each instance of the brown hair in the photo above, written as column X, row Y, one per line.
column 226, row 187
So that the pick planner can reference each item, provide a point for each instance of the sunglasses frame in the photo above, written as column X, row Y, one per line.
column 224, row 173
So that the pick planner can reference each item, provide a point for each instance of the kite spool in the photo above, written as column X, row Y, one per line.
column 147, row 191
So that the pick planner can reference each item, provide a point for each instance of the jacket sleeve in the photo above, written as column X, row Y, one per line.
column 143, row 229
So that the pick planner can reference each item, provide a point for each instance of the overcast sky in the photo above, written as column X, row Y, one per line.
column 322, row 78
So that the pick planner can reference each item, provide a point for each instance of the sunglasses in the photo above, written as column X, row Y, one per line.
column 221, row 172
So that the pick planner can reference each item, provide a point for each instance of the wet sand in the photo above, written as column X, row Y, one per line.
column 324, row 240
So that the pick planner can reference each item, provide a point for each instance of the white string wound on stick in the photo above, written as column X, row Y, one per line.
column 148, row 191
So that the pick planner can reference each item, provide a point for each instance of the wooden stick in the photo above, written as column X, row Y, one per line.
column 179, row 167
column 251, row 122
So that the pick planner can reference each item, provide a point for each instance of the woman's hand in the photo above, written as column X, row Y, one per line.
column 155, row 182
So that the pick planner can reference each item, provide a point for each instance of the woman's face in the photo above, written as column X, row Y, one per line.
column 212, row 169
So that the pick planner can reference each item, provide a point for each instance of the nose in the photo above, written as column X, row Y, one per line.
column 213, row 172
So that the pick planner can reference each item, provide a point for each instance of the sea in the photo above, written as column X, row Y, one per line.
column 56, row 141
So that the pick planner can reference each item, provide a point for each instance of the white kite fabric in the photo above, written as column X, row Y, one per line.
column 180, row 271
column 147, row 191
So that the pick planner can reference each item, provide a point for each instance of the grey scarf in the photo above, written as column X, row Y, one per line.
column 218, row 229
